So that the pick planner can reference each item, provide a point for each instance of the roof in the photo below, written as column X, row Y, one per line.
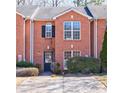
column 26, row 10
column 99, row 11
column 48, row 13
column 51, row 12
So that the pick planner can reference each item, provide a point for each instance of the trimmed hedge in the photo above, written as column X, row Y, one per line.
column 27, row 65
column 24, row 64
column 24, row 72
column 84, row 65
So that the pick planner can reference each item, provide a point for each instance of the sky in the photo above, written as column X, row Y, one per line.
column 69, row 2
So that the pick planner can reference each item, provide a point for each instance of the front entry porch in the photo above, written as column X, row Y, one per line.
column 48, row 60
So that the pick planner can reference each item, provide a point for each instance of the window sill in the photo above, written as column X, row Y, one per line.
column 48, row 37
column 72, row 40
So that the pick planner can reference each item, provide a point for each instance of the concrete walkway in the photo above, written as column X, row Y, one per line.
column 59, row 84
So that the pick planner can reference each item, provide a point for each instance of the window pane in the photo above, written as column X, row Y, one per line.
column 67, row 55
column 48, row 28
column 67, row 26
column 67, row 35
column 48, row 32
column 76, row 35
column 48, row 57
column 76, row 53
column 76, row 25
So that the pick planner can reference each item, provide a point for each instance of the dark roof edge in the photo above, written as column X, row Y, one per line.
column 88, row 11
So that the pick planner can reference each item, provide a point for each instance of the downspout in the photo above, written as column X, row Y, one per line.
column 30, row 42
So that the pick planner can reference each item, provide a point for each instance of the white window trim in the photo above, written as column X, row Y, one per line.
column 71, row 56
column 49, row 24
column 72, row 31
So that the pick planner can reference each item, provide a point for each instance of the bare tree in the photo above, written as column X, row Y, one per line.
column 24, row 2
column 86, row 2
column 77, row 2
column 29, row 2
column 43, row 2
column 20, row 2
column 56, row 3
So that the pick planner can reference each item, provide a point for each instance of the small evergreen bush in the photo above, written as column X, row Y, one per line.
column 103, row 55
column 57, row 69
column 24, row 64
column 83, row 65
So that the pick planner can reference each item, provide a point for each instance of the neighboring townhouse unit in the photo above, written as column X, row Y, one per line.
column 54, row 34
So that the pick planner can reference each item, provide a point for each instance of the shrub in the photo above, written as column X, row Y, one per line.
column 56, row 68
column 24, row 64
column 83, row 65
column 103, row 54
column 23, row 72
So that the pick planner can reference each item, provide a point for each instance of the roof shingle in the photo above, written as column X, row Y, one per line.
column 50, row 12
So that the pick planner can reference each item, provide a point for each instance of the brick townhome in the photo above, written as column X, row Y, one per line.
column 54, row 34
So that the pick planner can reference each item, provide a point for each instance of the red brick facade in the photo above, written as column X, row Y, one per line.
column 19, row 36
column 57, row 44
column 82, row 45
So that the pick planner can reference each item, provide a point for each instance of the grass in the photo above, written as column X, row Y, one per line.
column 102, row 78
column 19, row 80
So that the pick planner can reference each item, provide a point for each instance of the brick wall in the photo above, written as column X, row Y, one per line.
column 100, row 34
column 41, row 44
column 19, row 36
column 62, row 45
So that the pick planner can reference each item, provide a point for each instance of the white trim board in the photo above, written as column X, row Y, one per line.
column 72, row 9
column 20, row 14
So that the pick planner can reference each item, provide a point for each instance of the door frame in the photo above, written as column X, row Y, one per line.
column 52, row 52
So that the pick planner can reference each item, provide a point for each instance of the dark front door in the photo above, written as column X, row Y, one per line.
column 47, row 61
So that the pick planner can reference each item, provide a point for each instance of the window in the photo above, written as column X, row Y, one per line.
column 48, row 57
column 67, row 28
column 69, row 54
column 48, row 31
column 76, row 53
column 72, row 30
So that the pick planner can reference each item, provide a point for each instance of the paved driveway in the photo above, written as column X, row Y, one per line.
column 68, row 84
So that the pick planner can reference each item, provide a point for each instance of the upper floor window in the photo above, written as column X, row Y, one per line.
column 72, row 30
column 48, row 31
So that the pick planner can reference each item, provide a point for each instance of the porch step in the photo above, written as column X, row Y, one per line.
column 46, row 74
